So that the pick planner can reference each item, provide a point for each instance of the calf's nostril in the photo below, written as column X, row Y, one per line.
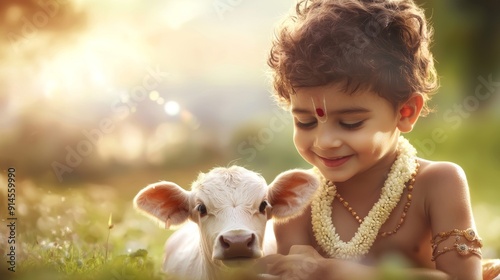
column 251, row 240
column 237, row 241
column 224, row 242
column 238, row 245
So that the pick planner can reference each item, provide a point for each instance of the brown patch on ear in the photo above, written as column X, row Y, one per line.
column 291, row 192
column 279, row 197
column 164, row 201
column 162, row 197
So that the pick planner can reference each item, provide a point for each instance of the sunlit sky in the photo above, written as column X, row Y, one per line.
column 111, row 47
column 67, row 65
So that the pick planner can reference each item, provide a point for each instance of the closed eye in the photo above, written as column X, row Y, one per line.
column 305, row 125
column 351, row 125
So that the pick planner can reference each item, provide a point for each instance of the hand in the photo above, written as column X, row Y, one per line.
column 304, row 263
column 300, row 263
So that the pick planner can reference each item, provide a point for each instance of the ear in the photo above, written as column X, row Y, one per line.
column 165, row 202
column 291, row 192
column 409, row 111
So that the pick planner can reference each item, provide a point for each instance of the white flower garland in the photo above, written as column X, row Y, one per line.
column 324, row 230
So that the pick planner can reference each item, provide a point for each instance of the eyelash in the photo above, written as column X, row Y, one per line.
column 305, row 125
column 350, row 126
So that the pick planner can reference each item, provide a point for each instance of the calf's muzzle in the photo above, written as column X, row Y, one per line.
column 238, row 246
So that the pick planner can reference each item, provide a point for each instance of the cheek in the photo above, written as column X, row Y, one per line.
column 375, row 144
column 210, row 228
column 259, row 225
column 300, row 140
column 303, row 146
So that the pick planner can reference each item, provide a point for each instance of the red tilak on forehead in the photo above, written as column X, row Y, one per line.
column 320, row 112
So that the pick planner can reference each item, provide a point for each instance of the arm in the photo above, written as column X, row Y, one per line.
column 292, row 232
column 303, row 262
column 448, row 207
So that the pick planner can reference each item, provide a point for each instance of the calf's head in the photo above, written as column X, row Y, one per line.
column 231, row 207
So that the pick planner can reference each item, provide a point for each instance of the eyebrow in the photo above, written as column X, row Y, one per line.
column 344, row 111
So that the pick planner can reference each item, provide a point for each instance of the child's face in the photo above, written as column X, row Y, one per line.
column 343, row 134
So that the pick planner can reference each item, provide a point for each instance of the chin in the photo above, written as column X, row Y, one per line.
column 335, row 176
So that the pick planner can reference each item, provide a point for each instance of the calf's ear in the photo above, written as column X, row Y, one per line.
column 291, row 192
column 165, row 202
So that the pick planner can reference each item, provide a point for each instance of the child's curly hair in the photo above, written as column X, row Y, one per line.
column 382, row 45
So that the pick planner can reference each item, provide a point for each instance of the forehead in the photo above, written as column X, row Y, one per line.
column 335, row 97
column 235, row 185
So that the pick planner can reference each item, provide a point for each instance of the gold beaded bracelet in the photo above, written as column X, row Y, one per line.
column 461, row 248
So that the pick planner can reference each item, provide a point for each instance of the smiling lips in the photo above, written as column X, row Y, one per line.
column 335, row 162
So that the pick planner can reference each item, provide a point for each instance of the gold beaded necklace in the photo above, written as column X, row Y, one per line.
column 409, row 185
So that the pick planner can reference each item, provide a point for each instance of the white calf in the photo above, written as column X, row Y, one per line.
column 228, row 209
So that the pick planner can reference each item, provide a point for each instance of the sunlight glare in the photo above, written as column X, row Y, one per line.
column 49, row 88
column 179, row 12
column 172, row 108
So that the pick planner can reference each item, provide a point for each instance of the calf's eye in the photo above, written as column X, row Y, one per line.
column 263, row 206
column 202, row 209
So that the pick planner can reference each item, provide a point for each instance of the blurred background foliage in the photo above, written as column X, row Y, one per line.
column 100, row 98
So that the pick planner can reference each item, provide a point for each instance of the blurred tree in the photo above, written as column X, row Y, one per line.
column 24, row 20
column 482, row 57
column 467, row 44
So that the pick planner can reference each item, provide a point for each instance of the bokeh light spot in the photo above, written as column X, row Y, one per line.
column 172, row 108
column 154, row 95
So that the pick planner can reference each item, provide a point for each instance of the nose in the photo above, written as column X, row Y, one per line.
column 327, row 138
column 237, row 246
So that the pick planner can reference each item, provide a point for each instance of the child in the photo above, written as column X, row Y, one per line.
column 355, row 74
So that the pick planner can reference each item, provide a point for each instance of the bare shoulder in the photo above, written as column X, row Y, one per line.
column 293, row 232
column 446, row 188
column 437, row 171
column 442, row 180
